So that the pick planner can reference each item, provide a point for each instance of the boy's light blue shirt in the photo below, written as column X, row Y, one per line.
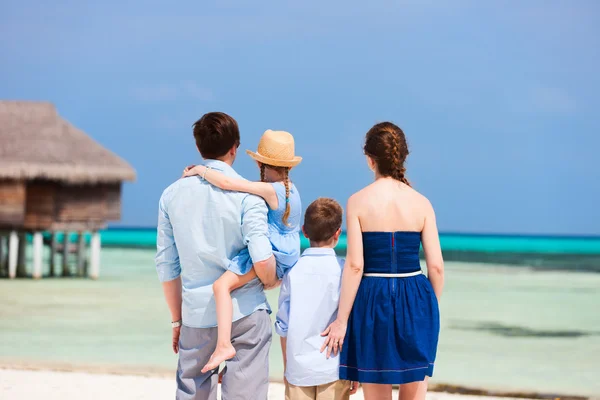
column 200, row 229
column 308, row 303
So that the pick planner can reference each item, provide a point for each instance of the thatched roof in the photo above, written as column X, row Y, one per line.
column 36, row 143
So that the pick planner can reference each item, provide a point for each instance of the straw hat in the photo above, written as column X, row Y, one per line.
column 276, row 148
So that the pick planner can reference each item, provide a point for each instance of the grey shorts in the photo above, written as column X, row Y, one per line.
column 246, row 376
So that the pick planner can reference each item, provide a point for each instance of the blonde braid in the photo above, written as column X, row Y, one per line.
column 262, row 172
column 286, row 182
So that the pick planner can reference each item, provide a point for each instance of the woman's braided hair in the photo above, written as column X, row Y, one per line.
column 286, row 181
column 386, row 145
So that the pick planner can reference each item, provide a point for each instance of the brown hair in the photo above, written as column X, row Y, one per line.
column 216, row 133
column 322, row 219
column 285, row 171
column 386, row 145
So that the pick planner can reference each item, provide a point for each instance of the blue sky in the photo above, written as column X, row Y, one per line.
column 499, row 99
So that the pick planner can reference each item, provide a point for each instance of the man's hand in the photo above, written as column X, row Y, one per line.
column 176, row 333
column 172, row 291
column 354, row 387
column 267, row 273
column 272, row 285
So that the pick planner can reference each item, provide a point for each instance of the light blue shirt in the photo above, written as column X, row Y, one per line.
column 200, row 229
column 308, row 303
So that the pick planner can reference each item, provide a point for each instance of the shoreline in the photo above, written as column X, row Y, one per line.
column 149, row 372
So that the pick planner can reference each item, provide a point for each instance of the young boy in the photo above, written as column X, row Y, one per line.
column 308, row 303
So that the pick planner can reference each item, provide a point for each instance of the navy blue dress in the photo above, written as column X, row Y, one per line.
column 394, row 326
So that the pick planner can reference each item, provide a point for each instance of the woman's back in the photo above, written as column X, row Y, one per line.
column 388, row 205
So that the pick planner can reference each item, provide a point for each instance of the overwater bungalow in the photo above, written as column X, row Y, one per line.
column 55, row 181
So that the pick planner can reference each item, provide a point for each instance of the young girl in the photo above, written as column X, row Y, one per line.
column 275, row 157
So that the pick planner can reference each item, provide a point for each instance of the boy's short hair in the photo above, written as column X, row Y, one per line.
column 322, row 219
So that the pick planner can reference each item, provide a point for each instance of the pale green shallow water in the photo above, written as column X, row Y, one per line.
column 502, row 327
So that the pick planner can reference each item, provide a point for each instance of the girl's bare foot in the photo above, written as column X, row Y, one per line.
column 221, row 353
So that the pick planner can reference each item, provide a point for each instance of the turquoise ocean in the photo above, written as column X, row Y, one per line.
column 519, row 313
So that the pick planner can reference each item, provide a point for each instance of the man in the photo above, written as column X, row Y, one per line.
column 200, row 229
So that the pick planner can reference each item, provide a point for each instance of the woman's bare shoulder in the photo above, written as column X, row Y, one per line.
column 362, row 195
column 422, row 200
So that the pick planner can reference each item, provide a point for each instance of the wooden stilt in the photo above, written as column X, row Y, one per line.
column 38, row 250
column 21, row 267
column 3, row 265
column 95, row 246
column 65, row 255
column 53, row 245
column 80, row 254
column 13, row 254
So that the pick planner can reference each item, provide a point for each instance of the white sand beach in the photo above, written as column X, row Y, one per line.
column 18, row 384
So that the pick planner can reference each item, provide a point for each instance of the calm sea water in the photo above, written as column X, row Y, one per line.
column 525, row 319
column 580, row 245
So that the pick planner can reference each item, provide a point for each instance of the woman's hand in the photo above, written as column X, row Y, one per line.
column 335, row 337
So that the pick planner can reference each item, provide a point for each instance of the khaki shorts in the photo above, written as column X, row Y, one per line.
column 338, row 390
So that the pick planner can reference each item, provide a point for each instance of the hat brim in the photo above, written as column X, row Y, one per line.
column 274, row 162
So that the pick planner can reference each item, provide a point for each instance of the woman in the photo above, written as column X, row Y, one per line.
column 388, row 320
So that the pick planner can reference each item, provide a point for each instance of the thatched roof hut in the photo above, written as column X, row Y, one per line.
column 36, row 143
column 53, row 177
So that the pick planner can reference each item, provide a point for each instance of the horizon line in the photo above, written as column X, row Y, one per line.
column 448, row 233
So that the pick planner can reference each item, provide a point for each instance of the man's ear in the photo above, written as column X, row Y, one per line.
column 338, row 233
column 304, row 232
